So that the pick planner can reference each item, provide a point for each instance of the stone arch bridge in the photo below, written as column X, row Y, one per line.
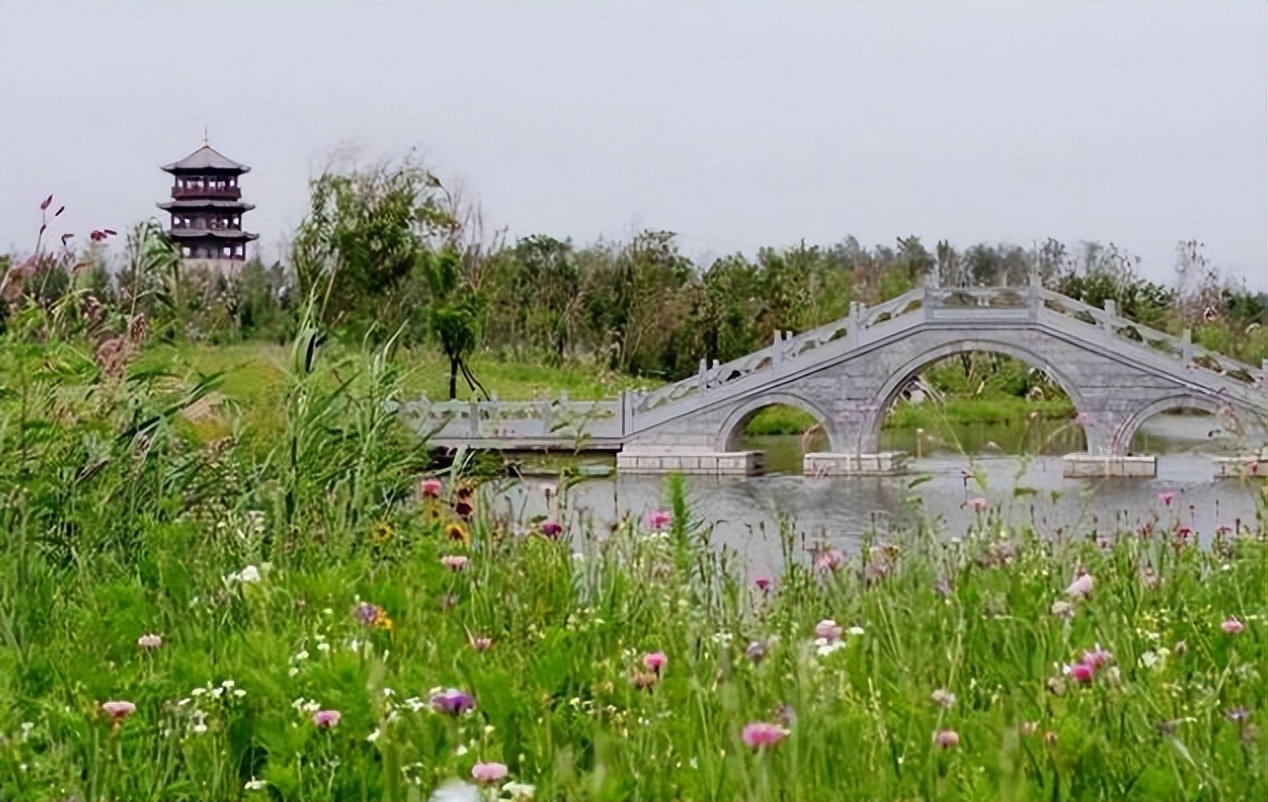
column 1116, row 372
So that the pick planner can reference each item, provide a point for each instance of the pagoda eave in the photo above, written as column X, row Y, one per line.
column 188, row 203
column 211, row 233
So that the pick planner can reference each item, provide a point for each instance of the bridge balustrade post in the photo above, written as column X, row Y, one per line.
column 1111, row 307
column 1186, row 346
column 779, row 352
column 702, row 376
column 475, row 417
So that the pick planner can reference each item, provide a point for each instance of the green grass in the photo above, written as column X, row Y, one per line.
column 116, row 522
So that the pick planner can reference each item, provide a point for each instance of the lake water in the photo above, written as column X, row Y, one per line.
column 746, row 512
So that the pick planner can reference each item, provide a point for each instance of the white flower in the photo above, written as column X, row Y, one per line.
column 197, row 691
column 199, row 728
column 854, row 631
column 255, row 785
column 826, row 647
column 374, row 736
column 238, row 692
column 216, row 693
column 522, row 791
column 460, row 750
column 323, row 647
column 943, row 697
column 292, row 671
column 228, row 683
column 303, row 655
column 27, row 726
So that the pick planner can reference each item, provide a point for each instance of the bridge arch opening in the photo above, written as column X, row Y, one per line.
column 979, row 397
column 1181, row 422
column 783, row 425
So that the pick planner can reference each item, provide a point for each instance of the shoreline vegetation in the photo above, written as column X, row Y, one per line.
column 253, row 376
column 314, row 614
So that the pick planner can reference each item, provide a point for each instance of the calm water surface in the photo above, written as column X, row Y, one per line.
column 746, row 512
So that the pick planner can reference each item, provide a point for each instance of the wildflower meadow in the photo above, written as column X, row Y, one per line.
column 196, row 610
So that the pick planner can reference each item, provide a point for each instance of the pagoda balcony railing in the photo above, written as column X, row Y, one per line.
column 204, row 193
column 205, row 225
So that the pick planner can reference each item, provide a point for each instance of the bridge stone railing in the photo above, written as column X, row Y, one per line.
column 787, row 353
column 494, row 419
column 1155, row 347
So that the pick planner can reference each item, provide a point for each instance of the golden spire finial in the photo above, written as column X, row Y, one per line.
column 206, row 140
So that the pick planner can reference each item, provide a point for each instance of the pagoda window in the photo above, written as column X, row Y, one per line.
column 186, row 250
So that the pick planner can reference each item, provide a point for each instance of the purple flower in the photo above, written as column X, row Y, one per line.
column 452, row 701
column 755, row 651
column 551, row 528
column 1238, row 715
column 1166, row 497
column 366, row 613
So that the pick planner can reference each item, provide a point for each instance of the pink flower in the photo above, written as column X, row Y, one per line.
column 1081, row 673
column 1097, row 658
column 1232, row 626
column 655, row 661
column 946, row 738
column 551, row 528
column 763, row 582
column 488, row 772
column 149, row 642
column 326, row 719
column 118, row 711
column 759, row 734
column 829, row 561
column 828, row 630
column 482, row 643
column 658, row 520
column 1166, row 497
column 1081, row 587
column 978, row 504
column 430, row 488
column 454, row 562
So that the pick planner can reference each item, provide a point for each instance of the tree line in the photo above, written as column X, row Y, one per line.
column 389, row 251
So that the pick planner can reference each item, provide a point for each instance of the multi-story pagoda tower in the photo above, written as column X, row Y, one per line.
column 207, row 209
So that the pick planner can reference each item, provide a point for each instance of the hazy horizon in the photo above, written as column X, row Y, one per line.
column 736, row 125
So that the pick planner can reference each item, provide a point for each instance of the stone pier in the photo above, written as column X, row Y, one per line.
column 885, row 463
column 704, row 463
column 1109, row 466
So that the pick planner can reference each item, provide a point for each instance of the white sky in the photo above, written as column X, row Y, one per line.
column 736, row 125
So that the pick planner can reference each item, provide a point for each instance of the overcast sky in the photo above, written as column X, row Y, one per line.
column 736, row 125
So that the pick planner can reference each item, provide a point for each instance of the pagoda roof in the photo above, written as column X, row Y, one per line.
column 210, row 233
column 194, row 203
column 204, row 159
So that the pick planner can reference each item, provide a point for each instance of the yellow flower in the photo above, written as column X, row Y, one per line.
column 383, row 621
column 456, row 531
column 381, row 532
